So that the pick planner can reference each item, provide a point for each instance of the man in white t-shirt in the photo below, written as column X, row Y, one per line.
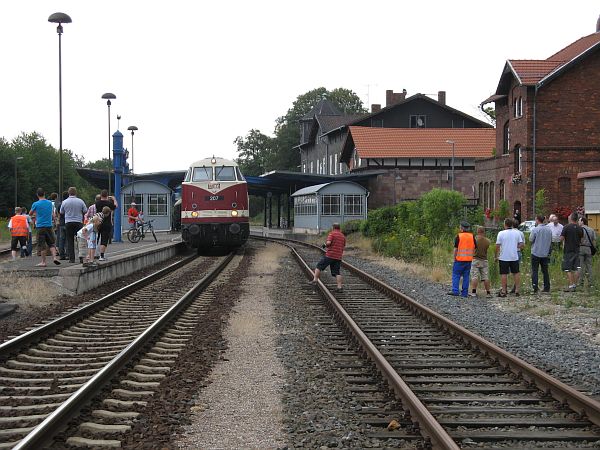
column 508, row 244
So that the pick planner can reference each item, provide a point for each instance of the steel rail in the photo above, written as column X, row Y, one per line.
column 428, row 426
column 577, row 401
column 43, row 433
column 31, row 336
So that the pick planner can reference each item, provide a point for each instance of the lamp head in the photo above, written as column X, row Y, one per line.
column 108, row 97
column 132, row 128
column 59, row 18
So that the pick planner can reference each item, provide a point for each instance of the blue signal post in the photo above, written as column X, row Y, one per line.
column 121, row 167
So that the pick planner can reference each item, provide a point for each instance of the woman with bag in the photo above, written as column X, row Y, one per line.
column 587, row 249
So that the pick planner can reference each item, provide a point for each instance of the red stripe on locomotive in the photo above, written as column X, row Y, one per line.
column 206, row 200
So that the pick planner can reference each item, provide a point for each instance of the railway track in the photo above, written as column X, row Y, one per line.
column 50, row 373
column 460, row 390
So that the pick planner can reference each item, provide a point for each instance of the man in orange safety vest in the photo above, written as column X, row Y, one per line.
column 464, row 249
column 19, row 230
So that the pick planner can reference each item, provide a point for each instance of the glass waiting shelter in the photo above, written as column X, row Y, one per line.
column 317, row 207
column 153, row 199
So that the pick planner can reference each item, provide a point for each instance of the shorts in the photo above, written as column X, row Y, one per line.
column 45, row 238
column 334, row 264
column 21, row 240
column 479, row 270
column 82, row 247
column 105, row 233
column 507, row 267
column 571, row 262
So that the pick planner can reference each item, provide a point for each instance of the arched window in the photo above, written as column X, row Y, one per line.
column 501, row 193
column 518, row 162
column 485, row 196
column 480, row 197
column 492, row 196
column 506, row 139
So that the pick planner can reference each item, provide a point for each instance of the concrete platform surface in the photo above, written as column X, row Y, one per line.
column 123, row 258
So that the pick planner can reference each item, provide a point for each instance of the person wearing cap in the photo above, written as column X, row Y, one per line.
column 508, row 244
column 133, row 215
column 464, row 249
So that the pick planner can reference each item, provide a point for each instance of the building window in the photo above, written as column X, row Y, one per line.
column 311, row 167
column 127, row 199
column 335, row 165
column 377, row 123
column 492, row 196
column 330, row 205
column 418, row 121
column 518, row 159
column 486, row 205
column 518, row 107
column 501, row 192
column 480, row 197
column 305, row 205
column 353, row 205
column 331, row 166
column 506, row 139
column 157, row 204
column 303, row 167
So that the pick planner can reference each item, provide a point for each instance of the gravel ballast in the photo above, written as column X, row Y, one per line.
column 566, row 355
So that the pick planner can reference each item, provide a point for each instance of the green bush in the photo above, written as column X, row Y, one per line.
column 380, row 221
column 405, row 244
column 442, row 211
column 352, row 226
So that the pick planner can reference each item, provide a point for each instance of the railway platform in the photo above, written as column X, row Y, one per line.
column 123, row 258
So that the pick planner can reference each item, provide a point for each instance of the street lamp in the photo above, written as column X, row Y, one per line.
column 452, row 170
column 17, row 158
column 60, row 18
column 133, row 129
column 108, row 96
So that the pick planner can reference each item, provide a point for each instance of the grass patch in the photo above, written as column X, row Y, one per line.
column 4, row 231
column 27, row 292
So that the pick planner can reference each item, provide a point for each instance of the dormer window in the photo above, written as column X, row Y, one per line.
column 518, row 107
column 418, row 121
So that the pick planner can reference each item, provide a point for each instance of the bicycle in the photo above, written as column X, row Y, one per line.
column 139, row 232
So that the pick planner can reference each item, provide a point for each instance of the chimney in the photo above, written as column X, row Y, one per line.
column 598, row 25
column 375, row 107
column 442, row 97
column 391, row 97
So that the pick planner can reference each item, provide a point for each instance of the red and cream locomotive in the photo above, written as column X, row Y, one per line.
column 214, row 204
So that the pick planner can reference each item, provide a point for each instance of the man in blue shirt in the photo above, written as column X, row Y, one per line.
column 43, row 213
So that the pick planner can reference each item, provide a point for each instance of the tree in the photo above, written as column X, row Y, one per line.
column 491, row 113
column 101, row 164
column 540, row 202
column 279, row 152
column 255, row 152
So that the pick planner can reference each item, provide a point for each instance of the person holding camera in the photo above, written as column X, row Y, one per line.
column 335, row 243
column 106, row 228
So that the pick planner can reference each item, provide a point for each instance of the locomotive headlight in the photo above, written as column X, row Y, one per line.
column 194, row 213
column 234, row 213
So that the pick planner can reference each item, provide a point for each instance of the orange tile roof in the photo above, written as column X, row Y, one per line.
column 530, row 71
column 423, row 142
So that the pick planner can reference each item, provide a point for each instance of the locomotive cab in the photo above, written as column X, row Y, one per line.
column 214, row 204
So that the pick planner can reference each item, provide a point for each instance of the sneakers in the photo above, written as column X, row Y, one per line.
column 102, row 258
column 473, row 294
column 454, row 294
column 488, row 295
column 501, row 294
column 339, row 289
column 571, row 288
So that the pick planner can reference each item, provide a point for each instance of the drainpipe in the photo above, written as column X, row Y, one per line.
column 533, row 150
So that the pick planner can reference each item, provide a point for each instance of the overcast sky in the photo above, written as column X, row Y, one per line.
column 193, row 75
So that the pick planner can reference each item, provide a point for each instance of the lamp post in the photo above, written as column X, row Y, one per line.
column 108, row 96
column 133, row 129
column 452, row 170
column 60, row 18
column 17, row 158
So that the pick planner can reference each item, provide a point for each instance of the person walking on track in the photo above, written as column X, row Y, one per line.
column 335, row 243
column 464, row 249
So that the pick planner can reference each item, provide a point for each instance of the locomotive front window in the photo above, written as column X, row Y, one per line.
column 224, row 173
column 202, row 174
column 188, row 175
column 239, row 174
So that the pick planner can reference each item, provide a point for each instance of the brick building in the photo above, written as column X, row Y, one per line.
column 547, row 129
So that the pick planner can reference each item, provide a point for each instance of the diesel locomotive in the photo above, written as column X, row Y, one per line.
column 214, row 204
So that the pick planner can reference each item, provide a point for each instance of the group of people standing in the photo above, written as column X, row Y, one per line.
column 59, row 223
column 471, row 260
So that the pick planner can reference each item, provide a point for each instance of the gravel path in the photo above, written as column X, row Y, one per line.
column 241, row 407
column 567, row 355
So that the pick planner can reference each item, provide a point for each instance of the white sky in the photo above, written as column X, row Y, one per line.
column 193, row 75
